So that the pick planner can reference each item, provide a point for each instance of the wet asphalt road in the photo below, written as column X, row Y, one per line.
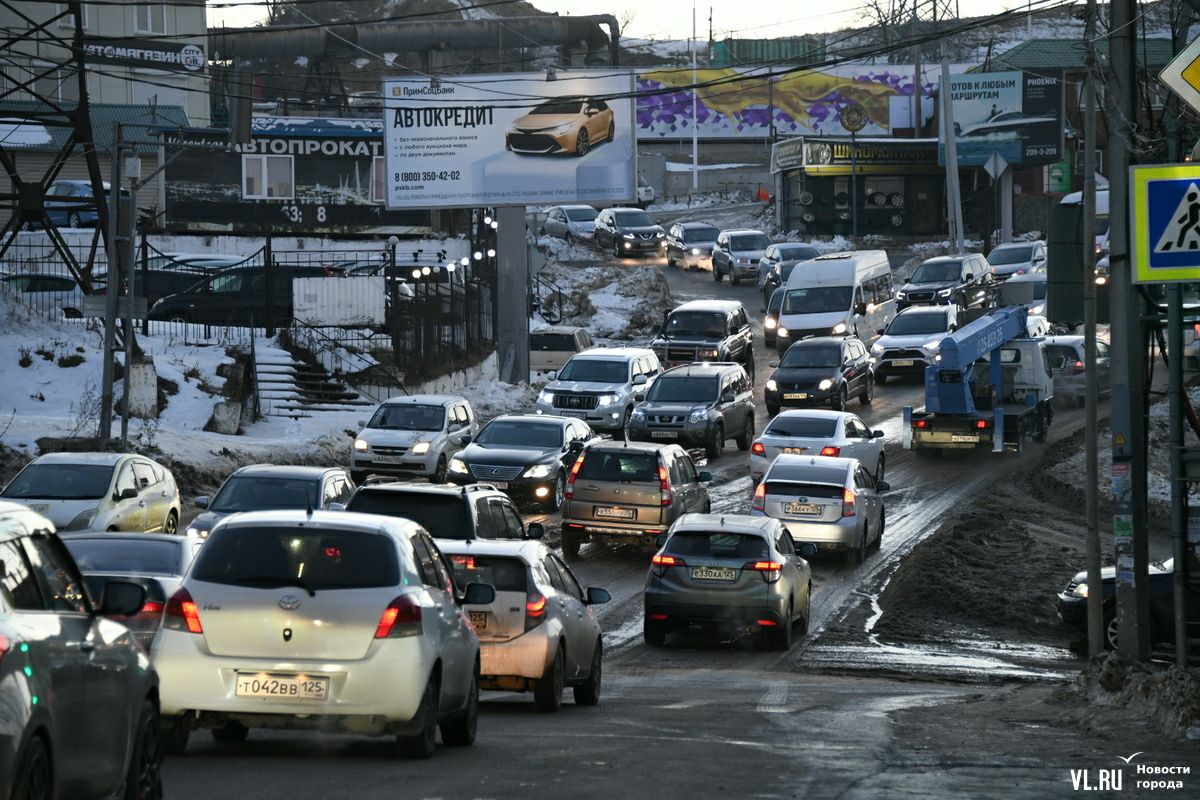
column 700, row 717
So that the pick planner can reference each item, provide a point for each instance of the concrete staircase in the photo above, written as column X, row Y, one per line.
column 289, row 387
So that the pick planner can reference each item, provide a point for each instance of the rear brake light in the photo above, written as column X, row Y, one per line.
column 831, row 451
column 767, row 623
column 153, row 607
column 5, row 646
column 758, row 449
column 466, row 562
column 770, row 570
column 981, row 424
column 760, row 498
column 848, row 503
column 181, row 613
column 535, row 610
column 401, row 618
column 664, row 485
column 921, row 423
column 1078, row 368
column 659, row 564
column 570, row 492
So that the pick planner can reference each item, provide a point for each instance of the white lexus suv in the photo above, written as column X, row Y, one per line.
column 322, row 620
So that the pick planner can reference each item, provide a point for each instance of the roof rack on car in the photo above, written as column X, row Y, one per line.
column 375, row 479
column 477, row 487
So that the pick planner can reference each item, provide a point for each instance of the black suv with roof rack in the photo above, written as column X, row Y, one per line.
column 476, row 511
column 706, row 330
column 699, row 405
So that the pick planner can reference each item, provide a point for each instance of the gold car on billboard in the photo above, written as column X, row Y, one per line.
column 572, row 127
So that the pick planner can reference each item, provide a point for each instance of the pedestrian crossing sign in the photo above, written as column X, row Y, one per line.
column 1164, row 207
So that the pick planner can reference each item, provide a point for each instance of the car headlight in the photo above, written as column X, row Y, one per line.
column 638, row 415
column 770, row 322
column 83, row 520
column 698, row 415
column 659, row 235
column 708, row 353
column 901, row 295
column 420, row 448
column 944, row 292
column 608, row 399
column 538, row 471
column 194, row 531
column 695, row 251
column 783, row 332
column 1037, row 310
column 876, row 350
column 546, row 397
column 1080, row 591
column 772, row 385
column 566, row 126
column 360, row 445
column 628, row 236
column 457, row 466
column 825, row 385
column 932, row 347
column 841, row 327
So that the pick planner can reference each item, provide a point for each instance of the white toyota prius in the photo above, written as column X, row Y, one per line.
column 320, row 620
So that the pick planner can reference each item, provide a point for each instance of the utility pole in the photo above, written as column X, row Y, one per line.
column 104, row 431
column 1095, row 601
column 918, row 81
column 953, row 191
column 1128, row 349
column 695, row 118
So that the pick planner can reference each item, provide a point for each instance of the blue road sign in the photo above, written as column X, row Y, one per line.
column 1165, row 212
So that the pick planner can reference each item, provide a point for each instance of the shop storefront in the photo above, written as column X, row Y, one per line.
column 900, row 186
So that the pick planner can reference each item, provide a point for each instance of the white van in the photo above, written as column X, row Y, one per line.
column 1102, row 219
column 841, row 293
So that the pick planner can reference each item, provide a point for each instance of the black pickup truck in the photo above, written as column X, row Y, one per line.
column 706, row 330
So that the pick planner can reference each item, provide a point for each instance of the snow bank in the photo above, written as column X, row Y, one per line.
column 613, row 302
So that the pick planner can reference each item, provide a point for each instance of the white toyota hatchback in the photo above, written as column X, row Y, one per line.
column 322, row 620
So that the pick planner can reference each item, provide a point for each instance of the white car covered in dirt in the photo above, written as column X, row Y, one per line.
column 813, row 432
column 99, row 492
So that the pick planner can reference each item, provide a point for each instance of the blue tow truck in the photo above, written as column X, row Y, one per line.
column 989, row 385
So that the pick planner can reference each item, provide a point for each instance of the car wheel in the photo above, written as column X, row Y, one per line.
column 73, row 220
column 560, row 490
column 782, row 636
column 568, row 238
column 173, row 736
column 616, row 249
column 422, row 743
column 459, row 731
column 171, row 525
column 654, row 633
column 716, row 273
column 807, row 611
column 881, row 378
column 879, row 468
column 868, row 392
column 1111, row 632
column 858, row 554
column 588, row 692
column 875, row 545
column 734, row 280
column 548, row 690
column 35, row 773
column 612, row 130
column 717, row 443
column 839, row 400
column 747, row 438
column 581, row 143
column 570, row 544
column 625, row 425
column 439, row 472
column 231, row 733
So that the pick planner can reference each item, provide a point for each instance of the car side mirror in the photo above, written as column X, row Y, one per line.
column 969, row 276
column 773, row 364
column 704, row 476
column 574, row 446
column 876, row 434
column 553, row 374
column 883, row 486
column 597, row 596
column 640, row 397
column 478, row 594
column 807, row 550
column 728, row 397
column 201, row 501
column 535, row 530
column 128, row 493
column 362, row 423
column 122, row 599
column 660, row 541
column 639, row 380
column 465, row 439
column 336, row 507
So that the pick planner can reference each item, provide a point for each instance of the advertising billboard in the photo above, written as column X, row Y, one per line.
column 1014, row 114
column 509, row 140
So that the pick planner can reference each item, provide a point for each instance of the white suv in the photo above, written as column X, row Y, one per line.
column 320, row 620
column 414, row 436
column 599, row 385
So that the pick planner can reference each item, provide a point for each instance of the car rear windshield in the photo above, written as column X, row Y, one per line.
column 582, row 214
column 718, row 544
column 1010, row 255
column 749, row 242
column 821, row 489
column 916, row 324
column 617, row 466
column 594, row 370
column 405, row 417
column 309, row 558
column 61, row 482
column 817, row 300
column 693, row 235
column 256, row 493
column 682, row 389
column 444, row 516
column 505, row 574
column 812, row 356
column 552, row 342
column 802, row 428
column 149, row 557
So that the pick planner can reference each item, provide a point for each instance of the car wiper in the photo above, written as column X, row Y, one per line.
column 271, row 580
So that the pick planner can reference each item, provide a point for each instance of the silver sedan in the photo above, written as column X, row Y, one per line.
column 812, row 432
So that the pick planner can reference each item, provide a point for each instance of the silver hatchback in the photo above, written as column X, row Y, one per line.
column 726, row 570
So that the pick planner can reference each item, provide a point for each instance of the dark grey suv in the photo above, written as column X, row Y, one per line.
column 700, row 405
